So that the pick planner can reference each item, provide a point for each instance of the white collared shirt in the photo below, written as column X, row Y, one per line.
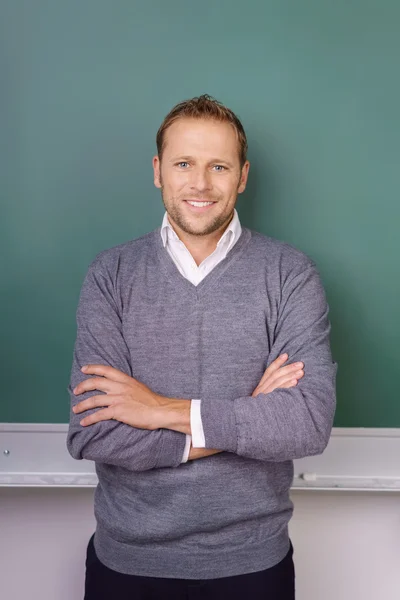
column 189, row 269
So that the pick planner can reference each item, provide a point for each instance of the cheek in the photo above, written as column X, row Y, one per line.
column 177, row 182
column 171, row 178
column 229, row 189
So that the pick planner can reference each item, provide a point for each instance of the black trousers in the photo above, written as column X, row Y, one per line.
column 102, row 583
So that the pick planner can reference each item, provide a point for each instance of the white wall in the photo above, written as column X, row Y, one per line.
column 347, row 545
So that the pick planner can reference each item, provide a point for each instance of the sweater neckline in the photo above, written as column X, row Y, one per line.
column 175, row 276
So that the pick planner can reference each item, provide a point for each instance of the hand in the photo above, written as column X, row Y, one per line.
column 276, row 376
column 196, row 453
column 128, row 400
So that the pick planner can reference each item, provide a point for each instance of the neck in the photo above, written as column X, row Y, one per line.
column 200, row 246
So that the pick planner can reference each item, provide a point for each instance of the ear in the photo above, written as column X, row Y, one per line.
column 243, row 177
column 156, row 169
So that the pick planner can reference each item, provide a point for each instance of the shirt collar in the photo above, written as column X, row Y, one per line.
column 231, row 233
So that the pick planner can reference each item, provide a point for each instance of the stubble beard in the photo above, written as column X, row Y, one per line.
column 176, row 214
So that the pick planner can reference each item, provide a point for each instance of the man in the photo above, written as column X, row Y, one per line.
column 187, row 406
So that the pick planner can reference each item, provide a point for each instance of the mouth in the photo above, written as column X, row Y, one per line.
column 199, row 206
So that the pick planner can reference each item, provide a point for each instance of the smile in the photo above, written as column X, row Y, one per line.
column 197, row 206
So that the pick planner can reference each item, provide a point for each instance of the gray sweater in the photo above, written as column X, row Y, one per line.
column 226, row 514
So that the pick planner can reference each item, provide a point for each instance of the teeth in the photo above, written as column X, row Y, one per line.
column 199, row 203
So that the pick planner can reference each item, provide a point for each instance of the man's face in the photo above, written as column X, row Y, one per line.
column 200, row 162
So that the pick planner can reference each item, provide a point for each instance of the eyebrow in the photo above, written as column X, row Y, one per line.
column 212, row 160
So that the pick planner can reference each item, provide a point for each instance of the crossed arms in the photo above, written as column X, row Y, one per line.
column 279, row 421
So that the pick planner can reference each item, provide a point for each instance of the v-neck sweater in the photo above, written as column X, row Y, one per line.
column 187, row 266
column 226, row 514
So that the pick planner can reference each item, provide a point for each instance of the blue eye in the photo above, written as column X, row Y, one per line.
column 219, row 167
column 182, row 163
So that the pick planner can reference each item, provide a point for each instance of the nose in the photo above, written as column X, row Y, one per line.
column 200, row 181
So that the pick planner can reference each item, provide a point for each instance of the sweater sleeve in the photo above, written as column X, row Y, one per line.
column 287, row 423
column 99, row 340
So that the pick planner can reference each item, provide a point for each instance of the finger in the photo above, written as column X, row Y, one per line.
column 92, row 402
column 99, row 415
column 289, row 376
column 106, row 371
column 278, row 362
column 288, row 370
column 95, row 383
column 274, row 366
column 281, row 381
column 257, row 391
column 289, row 384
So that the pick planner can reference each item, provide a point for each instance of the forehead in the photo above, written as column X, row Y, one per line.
column 204, row 136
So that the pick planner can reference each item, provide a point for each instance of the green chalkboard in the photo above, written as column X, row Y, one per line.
column 85, row 85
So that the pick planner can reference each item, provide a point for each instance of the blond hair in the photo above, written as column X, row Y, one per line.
column 203, row 107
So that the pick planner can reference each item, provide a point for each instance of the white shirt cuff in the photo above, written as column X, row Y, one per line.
column 196, row 425
column 187, row 449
